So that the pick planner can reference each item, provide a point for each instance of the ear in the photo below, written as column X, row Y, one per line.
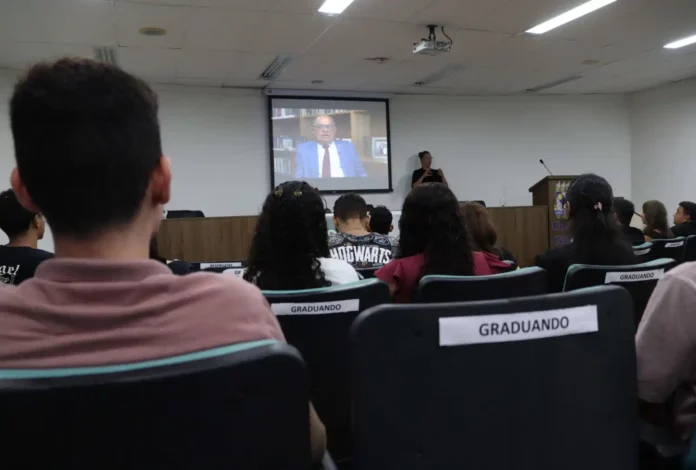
column 21, row 191
column 336, row 222
column 161, row 181
column 36, row 221
column 391, row 228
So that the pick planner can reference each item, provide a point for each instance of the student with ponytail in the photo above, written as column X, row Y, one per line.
column 596, row 238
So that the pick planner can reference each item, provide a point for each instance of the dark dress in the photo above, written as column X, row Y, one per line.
column 557, row 261
column 433, row 178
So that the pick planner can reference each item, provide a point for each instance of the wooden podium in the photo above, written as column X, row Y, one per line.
column 551, row 192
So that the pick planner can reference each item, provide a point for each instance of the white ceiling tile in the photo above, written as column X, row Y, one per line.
column 159, row 2
column 388, row 10
column 235, row 83
column 209, row 82
column 149, row 63
column 221, row 64
column 89, row 22
column 306, row 7
column 131, row 17
column 20, row 55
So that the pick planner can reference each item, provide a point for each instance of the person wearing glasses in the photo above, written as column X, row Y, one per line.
column 326, row 157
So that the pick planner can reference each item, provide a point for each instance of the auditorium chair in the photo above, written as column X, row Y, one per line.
column 367, row 273
column 518, row 283
column 690, row 253
column 317, row 322
column 239, row 406
column 184, row 214
column 673, row 248
column 643, row 252
column 439, row 386
column 639, row 280
column 219, row 267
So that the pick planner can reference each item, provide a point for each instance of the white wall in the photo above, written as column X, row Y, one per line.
column 663, row 144
column 489, row 148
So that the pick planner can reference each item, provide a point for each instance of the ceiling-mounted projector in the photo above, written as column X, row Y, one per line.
column 430, row 45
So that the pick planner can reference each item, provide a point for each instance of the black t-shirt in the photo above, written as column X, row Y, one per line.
column 655, row 235
column 633, row 235
column 365, row 251
column 557, row 261
column 433, row 178
column 684, row 230
column 18, row 263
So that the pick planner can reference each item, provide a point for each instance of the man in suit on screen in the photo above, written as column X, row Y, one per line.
column 326, row 157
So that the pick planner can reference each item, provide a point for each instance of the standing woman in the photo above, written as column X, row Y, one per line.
column 655, row 220
column 426, row 174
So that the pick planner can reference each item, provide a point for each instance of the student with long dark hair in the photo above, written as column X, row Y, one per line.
column 655, row 220
column 433, row 240
column 596, row 236
column 484, row 236
column 290, row 249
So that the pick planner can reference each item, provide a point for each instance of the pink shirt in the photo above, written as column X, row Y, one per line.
column 406, row 273
column 88, row 312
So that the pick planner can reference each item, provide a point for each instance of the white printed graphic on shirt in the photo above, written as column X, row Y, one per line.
column 8, row 274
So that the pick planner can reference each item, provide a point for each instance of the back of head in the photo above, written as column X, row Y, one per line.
column 350, row 206
column 15, row 220
column 87, row 139
column 596, row 237
column 381, row 220
column 624, row 210
column 481, row 229
column 689, row 209
column 655, row 214
column 291, row 234
column 431, row 224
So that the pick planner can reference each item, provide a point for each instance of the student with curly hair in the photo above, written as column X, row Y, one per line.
column 290, row 249
column 434, row 240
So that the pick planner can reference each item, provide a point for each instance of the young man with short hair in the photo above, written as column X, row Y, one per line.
column 89, row 158
column 624, row 211
column 353, row 242
column 21, row 256
column 685, row 219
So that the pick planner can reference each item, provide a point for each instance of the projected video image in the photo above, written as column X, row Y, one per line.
column 335, row 145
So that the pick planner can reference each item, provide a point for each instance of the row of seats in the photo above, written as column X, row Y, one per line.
column 428, row 386
column 680, row 249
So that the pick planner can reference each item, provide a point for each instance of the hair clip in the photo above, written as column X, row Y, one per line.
column 279, row 192
column 598, row 206
column 297, row 193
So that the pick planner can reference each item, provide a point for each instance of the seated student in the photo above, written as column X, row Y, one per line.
column 685, row 219
column 381, row 222
column 20, row 257
column 290, row 249
column 178, row 267
column 665, row 344
column 624, row 211
column 655, row 220
column 595, row 234
column 484, row 236
column 352, row 242
column 433, row 240
column 89, row 158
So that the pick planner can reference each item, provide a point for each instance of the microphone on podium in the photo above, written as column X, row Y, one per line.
column 547, row 168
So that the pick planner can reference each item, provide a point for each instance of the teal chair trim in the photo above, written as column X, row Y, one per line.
column 650, row 264
column 644, row 246
column 17, row 374
column 321, row 290
column 515, row 273
column 668, row 240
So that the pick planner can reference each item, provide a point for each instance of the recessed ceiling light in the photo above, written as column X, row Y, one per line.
column 334, row 7
column 152, row 31
column 681, row 43
column 569, row 16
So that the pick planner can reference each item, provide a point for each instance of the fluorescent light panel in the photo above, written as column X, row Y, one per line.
column 681, row 43
column 334, row 7
column 569, row 16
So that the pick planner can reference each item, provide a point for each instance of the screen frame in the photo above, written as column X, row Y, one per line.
column 269, row 109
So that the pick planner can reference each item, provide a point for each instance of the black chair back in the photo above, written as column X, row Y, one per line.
column 317, row 322
column 184, row 214
column 367, row 273
column 643, row 252
column 220, row 267
column 520, row 283
column 674, row 248
column 467, row 385
column 241, row 406
column 639, row 280
column 690, row 253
